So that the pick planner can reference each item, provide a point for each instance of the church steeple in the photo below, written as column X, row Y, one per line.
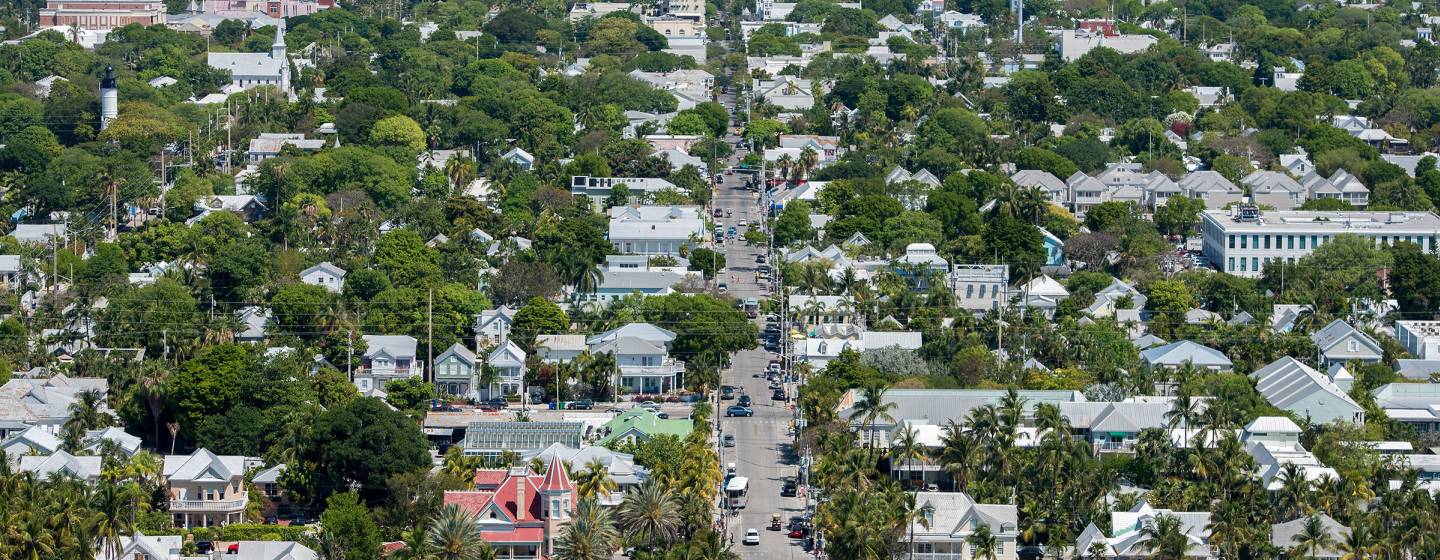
column 277, row 49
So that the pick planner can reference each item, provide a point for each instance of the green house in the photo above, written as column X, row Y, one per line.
column 638, row 424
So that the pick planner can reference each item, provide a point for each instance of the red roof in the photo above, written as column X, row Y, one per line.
column 473, row 501
column 515, row 535
column 389, row 548
column 556, row 479
column 489, row 479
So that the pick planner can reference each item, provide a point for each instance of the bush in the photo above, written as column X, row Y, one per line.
column 250, row 532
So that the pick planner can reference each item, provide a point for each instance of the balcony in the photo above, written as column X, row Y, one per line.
column 207, row 505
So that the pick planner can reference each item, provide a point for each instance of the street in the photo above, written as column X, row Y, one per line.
column 762, row 449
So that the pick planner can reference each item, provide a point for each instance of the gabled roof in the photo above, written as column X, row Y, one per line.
column 1339, row 330
column 1038, row 178
column 644, row 331
column 203, row 465
column 395, row 346
column 1286, row 381
column 1283, row 535
column 33, row 438
column 1272, row 425
column 325, row 267
column 1044, row 286
column 627, row 346
column 508, row 355
column 1179, row 353
column 1207, row 182
column 1131, row 417
column 459, row 351
column 83, row 468
column 127, row 443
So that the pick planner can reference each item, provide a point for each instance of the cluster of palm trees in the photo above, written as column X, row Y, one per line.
column 1060, row 485
column 796, row 169
column 61, row 517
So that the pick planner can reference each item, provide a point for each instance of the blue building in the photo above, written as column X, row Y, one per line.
column 1054, row 249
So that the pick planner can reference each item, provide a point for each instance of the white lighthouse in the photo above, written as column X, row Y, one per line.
column 109, row 98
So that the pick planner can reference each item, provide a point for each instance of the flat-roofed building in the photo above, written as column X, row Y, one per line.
column 1241, row 242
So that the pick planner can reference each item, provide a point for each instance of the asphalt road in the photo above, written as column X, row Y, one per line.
column 762, row 450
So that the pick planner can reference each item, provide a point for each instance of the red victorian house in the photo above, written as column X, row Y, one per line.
column 520, row 512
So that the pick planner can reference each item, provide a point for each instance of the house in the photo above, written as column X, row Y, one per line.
column 1054, row 248
column 206, row 489
column 491, row 439
column 268, row 145
column 1284, row 317
column 1179, row 354
column 617, row 284
column 520, row 158
column 559, row 348
column 790, row 94
column 86, row 468
column 521, row 515
column 1074, row 43
column 144, row 547
column 645, row 367
column 1043, row 293
column 387, row 358
column 1127, row 540
column 619, row 467
column 251, row 70
column 600, row 188
column 1056, row 191
column 813, row 310
column 10, row 272
column 655, row 230
column 918, row 260
column 43, row 86
column 1272, row 459
column 935, row 406
column 1278, row 429
column 32, row 440
column 267, row 550
column 1085, row 191
column 37, row 234
column 454, row 372
column 248, row 207
column 1274, row 189
column 1212, row 188
column 638, row 425
column 950, row 518
column 980, row 287
column 1292, row 386
column 324, row 275
column 492, row 327
column 1414, row 404
column 267, row 481
column 508, row 362
column 115, row 437
column 1340, row 185
column 827, row 148
column 644, row 331
column 827, row 344
column 1340, row 343
column 45, row 403
column 1286, row 537
column 254, row 324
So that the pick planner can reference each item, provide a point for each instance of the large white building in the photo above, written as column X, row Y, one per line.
column 252, row 70
column 1240, row 242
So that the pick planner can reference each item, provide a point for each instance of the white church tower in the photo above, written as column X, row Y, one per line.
column 277, row 52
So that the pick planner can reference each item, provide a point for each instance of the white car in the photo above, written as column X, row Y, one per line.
column 744, row 223
column 752, row 537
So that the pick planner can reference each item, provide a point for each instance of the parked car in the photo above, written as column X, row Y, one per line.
column 727, row 393
column 745, row 401
column 582, row 404
column 650, row 406
column 728, row 440
column 789, row 489
column 739, row 411
column 778, row 395
column 662, row 415
column 752, row 537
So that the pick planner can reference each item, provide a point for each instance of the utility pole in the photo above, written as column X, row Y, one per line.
column 114, row 214
column 429, row 334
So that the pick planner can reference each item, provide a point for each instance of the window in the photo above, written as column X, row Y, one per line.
column 1230, row 266
column 1354, row 346
column 1267, row 241
column 1242, row 264
column 1289, row 242
column 1231, row 238
column 1302, row 242
column 1255, row 264
column 1244, row 239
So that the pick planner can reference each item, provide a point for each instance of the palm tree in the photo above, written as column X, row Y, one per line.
column 1164, row 538
column 907, row 448
column 455, row 535
column 1183, row 412
column 595, row 482
column 1313, row 537
column 85, row 414
column 872, row 409
column 916, row 514
column 113, row 506
column 590, row 535
column 650, row 513
column 982, row 543
column 1360, row 543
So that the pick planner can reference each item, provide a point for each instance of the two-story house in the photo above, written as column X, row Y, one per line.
column 387, row 358
column 508, row 362
column 1340, row 343
column 206, row 489
column 949, row 521
column 492, row 327
column 645, row 367
column 454, row 371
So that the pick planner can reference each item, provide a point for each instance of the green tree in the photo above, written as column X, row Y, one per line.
column 360, row 443
column 398, row 130
column 538, row 316
column 706, row 261
column 305, row 310
column 1415, row 279
column 209, row 384
column 1178, row 215
column 412, row 394
column 455, row 535
column 346, row 530
column 793, row 225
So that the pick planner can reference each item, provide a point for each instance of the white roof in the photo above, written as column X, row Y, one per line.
column 83, row 468
column 396, row 346
column 1273, row 425
column 202, row 465
column 1044, row 286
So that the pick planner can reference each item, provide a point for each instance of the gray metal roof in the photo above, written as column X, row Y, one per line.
column 1177, row 354
column 522, row 436
column 1339, row 330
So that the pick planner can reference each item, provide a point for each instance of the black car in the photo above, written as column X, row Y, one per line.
column 745, row 401
column 739, row 411
column 582, row 404
column 789, row 489
column 760, row 258
column 778, row 395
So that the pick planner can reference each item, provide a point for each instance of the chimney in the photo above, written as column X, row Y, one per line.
column 521, row 475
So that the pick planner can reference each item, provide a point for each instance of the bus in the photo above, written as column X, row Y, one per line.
column 752, row 307
column 735, row 491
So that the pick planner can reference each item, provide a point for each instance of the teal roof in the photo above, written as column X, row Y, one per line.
column 644, row 424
